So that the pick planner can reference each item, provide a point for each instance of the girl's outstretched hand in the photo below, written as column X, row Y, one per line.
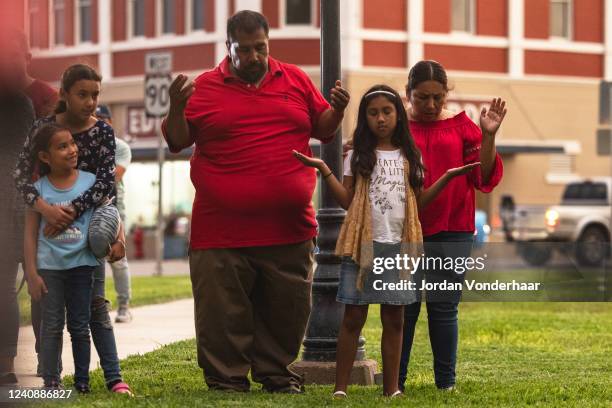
column 309, row 161
column 458, row 171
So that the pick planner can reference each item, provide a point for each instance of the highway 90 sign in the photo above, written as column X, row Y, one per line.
column 158, row 68
column 157, row 99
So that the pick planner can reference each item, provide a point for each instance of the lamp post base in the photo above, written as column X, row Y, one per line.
column 322, row 372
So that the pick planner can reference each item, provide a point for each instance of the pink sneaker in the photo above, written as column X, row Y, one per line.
column 122, row 388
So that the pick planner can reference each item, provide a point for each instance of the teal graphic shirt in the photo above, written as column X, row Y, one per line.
column 69, row 249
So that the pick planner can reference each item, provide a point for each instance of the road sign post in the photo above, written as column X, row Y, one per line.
column 604, row 148
column 158, row 69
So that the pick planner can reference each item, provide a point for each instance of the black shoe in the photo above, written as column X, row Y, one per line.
column 54, row 384
column 82, row 388
column 8, row 379
column 238, row 385
column 227, row 389
column 290, row 389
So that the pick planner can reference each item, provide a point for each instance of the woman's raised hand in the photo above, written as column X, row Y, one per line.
column 491, row 119
column 310, row 161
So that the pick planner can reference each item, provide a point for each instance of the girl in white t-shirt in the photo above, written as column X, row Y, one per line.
column 382, row 190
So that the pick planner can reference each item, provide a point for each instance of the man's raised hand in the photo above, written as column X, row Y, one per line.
column 340, row 98
column 180, row 93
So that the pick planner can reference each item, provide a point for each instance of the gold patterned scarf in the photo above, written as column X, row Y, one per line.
column 355, row 238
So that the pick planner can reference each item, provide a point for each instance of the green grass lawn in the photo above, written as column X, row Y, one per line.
column 510, row 354
column 146, row 290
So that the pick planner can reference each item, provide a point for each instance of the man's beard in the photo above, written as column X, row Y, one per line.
column 252, row 76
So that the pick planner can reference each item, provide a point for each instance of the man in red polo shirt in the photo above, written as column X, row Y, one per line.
column 253, row 223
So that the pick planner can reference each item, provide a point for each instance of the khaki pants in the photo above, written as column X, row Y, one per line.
column 251, row 309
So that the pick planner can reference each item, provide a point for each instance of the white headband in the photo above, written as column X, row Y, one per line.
column 380, row 92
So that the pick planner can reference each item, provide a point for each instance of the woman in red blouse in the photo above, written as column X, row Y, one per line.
column 447, row 140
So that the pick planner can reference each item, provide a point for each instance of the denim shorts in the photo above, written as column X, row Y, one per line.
column 376, row 288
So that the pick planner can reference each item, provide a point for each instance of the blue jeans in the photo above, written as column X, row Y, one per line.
column 102, row 329
column 69, row 294
column 442, row 308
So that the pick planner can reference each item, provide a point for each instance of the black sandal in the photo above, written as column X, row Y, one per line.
column 82, row 388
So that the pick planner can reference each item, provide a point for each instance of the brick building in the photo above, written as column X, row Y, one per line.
column 545, row 57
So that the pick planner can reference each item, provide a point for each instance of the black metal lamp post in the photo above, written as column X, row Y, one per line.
column 322, row 331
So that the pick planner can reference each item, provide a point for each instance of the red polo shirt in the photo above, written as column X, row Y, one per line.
column 250, row 190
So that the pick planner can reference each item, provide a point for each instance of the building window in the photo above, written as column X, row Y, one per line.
column 168, row 17
column 298, row 12
column 34, row 22
column 560, row 18
column 197, row 15
column 463, row 16
column 561, row 169
column 85, row 21
column 137, row 9
column 561, row 164
column 59, row 12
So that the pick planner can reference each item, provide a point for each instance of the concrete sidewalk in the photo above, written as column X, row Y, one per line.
column 149, row 267
column 152, row 327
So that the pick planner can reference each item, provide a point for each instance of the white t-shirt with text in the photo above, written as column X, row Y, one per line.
column 387, row 195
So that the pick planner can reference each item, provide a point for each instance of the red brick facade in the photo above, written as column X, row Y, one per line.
column 486, row 49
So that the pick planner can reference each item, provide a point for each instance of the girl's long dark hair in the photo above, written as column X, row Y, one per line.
column 365, row 142
column 41, row 142
column 72, row 75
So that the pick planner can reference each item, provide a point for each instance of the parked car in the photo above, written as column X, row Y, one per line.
column 481, row 234
column 581, row 220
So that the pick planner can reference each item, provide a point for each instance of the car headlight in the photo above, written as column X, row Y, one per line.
column 552, row 218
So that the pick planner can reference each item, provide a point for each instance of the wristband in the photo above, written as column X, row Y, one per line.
column 327, row 175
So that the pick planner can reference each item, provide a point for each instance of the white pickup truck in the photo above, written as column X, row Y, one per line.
column 582, row 220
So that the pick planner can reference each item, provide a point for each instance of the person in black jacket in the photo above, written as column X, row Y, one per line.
column 16, row 118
